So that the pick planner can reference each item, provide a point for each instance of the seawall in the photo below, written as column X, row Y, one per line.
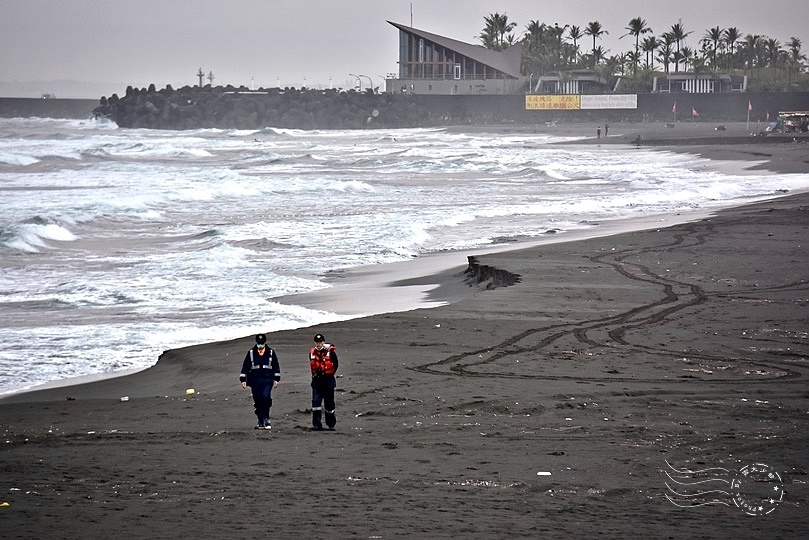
column 228, row 107
column 239, row 108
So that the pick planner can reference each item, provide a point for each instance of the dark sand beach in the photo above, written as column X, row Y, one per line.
column 549, row 408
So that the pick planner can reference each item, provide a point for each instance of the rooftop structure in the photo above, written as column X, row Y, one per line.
column 433, row 64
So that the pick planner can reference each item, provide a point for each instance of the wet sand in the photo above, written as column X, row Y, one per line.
column 550, row 407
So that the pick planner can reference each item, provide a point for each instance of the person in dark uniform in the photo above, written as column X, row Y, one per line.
column 323, row 363
column 261, row 372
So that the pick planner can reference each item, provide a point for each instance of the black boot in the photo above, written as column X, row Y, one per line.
column 316, row 423
column 331, row 420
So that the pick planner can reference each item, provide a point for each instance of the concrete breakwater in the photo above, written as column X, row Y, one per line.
column 227, row 107
column 240, row 108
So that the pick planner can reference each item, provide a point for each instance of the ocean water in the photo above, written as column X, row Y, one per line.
column 117, row 244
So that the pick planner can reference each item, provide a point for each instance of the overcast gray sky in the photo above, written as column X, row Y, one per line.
column 105, row 45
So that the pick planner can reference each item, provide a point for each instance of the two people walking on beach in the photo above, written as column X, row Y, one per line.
column 261, row 371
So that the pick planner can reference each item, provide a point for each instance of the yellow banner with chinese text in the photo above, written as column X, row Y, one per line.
column 553, row 102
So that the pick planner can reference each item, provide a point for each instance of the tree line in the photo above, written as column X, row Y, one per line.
column 553, row 48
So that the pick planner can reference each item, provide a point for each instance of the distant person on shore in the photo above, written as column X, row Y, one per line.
column 598, row 132
column 606, row 129
column 323, row 364
column 261, row 372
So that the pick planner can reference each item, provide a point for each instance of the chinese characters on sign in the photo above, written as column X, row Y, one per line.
column 553, row 102
column 578, row 101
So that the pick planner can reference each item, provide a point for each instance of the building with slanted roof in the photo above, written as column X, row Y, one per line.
column 437, row 65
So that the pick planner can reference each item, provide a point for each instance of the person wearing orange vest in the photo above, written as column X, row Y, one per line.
column 323, row 363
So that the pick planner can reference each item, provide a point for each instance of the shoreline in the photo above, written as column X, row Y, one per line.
column 426, row 282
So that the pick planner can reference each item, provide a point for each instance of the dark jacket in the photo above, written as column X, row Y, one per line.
column 260, row 368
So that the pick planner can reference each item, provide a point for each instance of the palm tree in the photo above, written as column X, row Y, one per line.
column 619, row 62
column 773, row 47
column 730, row 37
column 687, row 56
column 557, row 32
column 679, row 34
column 665, row 55
column 752, row 47
column 633, row 57
column 637, row 26
column 795, row 50
column 773, row 51
column 713, row 36
column 615, row 64
column 795, row 54
column 544, row 49
column 594, row 29
column 796, row 57
column 599, row 54
column 535, row 50
column 496, row 33
column 575, row 34
column 648, row 46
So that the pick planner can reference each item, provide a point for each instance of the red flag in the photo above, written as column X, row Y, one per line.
column 674, row 107
column 749, row 106
column 694, row 111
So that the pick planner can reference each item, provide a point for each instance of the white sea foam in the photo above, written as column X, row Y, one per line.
column 32, row 237
column 17, row 159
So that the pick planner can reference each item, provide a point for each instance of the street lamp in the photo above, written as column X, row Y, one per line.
column 370, row 82
column 359, row 81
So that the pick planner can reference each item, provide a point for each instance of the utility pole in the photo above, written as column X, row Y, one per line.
column 210, row 77
column 200, row 74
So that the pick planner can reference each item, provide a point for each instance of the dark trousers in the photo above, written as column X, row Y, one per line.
column 323, row 396
column 262, row 399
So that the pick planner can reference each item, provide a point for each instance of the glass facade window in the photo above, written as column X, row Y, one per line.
column 404, row 52
column 423, row 59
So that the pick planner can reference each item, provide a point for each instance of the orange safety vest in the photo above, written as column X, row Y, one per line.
column 320, row 360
